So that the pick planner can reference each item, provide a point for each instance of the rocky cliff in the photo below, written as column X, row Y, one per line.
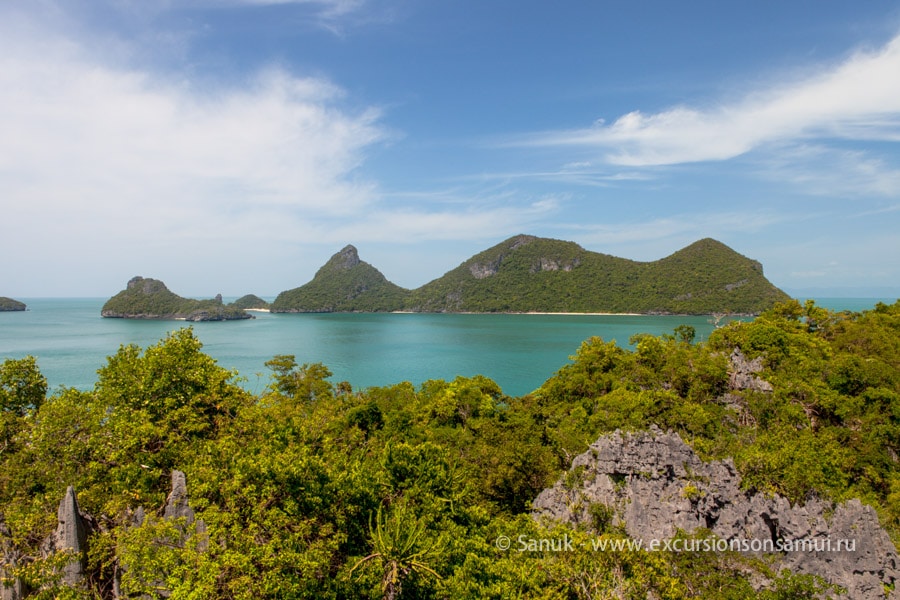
column 655, row 485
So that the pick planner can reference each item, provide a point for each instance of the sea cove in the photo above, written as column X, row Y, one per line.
column 519, row 351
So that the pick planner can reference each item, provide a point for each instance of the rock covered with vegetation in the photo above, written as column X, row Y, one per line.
column 250, row 302
column 8, row 304
column 309, row 489
column 530, row 274
column 343, row 284
column 145, row 298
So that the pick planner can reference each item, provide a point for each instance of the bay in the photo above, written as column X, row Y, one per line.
column 71, row 341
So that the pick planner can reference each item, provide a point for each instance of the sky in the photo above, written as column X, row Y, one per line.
column 233, row 146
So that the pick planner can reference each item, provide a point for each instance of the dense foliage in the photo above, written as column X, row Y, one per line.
column 151, row 299
column 8, row 304
column 313, row 490
column 529, row 274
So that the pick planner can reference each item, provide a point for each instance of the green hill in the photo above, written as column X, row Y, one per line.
column 8, row 304
column 530, row 274
column 151, row 299
column 343, row 284
column 250, row 301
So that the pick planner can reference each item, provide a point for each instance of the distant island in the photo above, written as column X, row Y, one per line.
column 530, row 274
column 151, row 299
column 250, row 302
column 9, row 305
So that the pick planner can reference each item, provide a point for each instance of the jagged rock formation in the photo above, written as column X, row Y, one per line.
column 71, row 535
column 343, row 284
column 145, row 298
column 743, row 373
column 656, row 485
column 8, row 304
column 10, row 587
column 177, row 501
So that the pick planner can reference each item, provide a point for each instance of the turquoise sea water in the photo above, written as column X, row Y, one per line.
column 71, row 341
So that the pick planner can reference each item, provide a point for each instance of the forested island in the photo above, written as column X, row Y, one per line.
column 169, row 480
column 145, row 298
column 531, row 274
column 8, row 305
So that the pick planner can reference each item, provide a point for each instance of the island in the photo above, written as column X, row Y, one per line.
column 251, row 302
column 145, row 298
column 10, row 305
column 526, row 274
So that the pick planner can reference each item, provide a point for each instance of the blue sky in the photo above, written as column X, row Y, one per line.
column 234, row 145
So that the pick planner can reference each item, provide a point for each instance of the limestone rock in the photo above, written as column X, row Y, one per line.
column 656, row 485
column 71, row 535
column 742, row 374
column 10, row 588
column 177, row 501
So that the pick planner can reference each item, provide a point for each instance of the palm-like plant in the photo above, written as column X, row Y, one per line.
column 397, row 543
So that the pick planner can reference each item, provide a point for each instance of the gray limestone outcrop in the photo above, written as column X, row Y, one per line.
column 177, row 502
column 10, row 587
column 743, row 373
column 656, row 485
column 71, row 535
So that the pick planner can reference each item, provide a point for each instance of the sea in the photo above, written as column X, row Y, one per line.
column 71, row 342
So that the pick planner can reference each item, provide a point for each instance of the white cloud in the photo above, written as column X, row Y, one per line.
column 95, row 158
column 858, row 99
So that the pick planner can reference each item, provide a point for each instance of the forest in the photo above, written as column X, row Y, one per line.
column 312, row 489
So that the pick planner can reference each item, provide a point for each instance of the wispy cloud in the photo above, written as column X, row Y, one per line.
column 858, row 99
column 690, row 227
column 826, row 171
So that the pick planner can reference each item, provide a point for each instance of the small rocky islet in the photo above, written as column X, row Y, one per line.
column 10, row 305
column 145, row 298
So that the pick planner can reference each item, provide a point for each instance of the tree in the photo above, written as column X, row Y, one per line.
column 22, row 386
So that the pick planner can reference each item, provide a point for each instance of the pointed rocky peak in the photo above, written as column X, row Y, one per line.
column 177, row 502
column 348, row 257
column 71, row 535
column 344, row 260
column 71, row 531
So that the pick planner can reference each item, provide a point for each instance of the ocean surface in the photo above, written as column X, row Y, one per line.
column 71, row 341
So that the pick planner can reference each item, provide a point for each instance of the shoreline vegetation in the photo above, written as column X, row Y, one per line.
column 522, row 275
column 188, row 485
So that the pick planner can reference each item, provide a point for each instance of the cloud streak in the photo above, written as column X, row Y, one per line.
column 858, row 99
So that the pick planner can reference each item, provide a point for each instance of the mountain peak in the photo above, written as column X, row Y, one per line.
column 346, row 259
